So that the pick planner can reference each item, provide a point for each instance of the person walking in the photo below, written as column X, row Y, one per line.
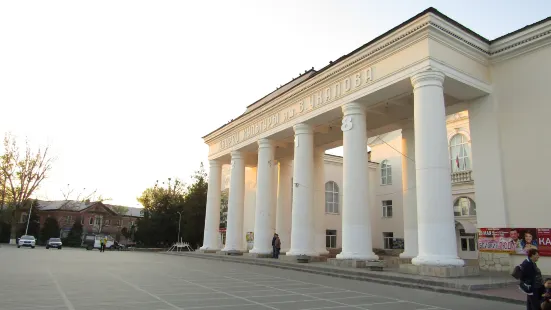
column 277, row 246
column 531, row 281
column 273, row 245
column 101, row 244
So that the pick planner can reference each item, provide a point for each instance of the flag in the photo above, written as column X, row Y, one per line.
column 457, row 161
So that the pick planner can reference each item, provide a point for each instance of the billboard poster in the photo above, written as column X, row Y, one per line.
column 514, row 240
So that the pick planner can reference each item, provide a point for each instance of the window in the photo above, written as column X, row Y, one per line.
column 459, row 153
column 388, row 240
column 386, row 173
column 464, row 206
column 68, row 219
column 331, row 239
column 82, row 220
column 98, row 221
column 107, row 222
column 387, row 208
column 468, row 242
column 331, row 197
column 91, row 221
column 118, row 222
column 130, row 224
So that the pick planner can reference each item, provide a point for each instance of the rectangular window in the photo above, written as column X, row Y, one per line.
column 118, row 223
column 468, row 241
column 387, row 208
column 82, row 220
column 331, row 239
column 98, row 221
column 91, row 221
column 68, row 219
column 388, row 240
column 107, row 222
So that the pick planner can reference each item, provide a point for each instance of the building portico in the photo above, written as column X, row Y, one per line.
column 409, row 78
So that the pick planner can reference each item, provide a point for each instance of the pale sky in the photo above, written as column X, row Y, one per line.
column 123, row 91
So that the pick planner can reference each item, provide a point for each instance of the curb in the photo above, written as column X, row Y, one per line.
column 365, row 278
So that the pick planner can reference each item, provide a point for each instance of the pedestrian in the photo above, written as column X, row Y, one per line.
column 277, row 246
column 531, row 281
column 273, row 245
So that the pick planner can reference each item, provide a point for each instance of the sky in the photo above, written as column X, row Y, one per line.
column 123, row 91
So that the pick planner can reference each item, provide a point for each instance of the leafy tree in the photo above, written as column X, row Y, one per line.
column 162, row 203
column 75, row 235
column 50, row 229
column 224, row 208
column 21, row 175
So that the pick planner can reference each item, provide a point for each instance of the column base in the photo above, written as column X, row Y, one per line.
column 440, row 271
column 206, row 251
column 408, row 255
column 302, row 258
column 259, row 255
column 438, row 261
column 357, row 263
column 230, row 252
column 358, row 256
column 260, row 251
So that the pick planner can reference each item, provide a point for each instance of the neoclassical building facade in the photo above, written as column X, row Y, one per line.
column 412, row 78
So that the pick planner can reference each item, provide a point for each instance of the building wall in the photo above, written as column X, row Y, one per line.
column 520, row 104
column 388, row 152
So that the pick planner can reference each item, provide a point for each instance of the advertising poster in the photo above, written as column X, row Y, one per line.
column 249, row 237
column 514, row 240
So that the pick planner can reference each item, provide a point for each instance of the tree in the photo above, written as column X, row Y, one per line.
column 75, row 235
column 50, row 229
column 82, row 196
column 195, row 208
column 224, row 208
column 21, row 175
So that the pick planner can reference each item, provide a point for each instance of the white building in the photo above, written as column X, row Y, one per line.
column 402, row 87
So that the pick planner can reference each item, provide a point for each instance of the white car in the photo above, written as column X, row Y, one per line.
column 26, row 240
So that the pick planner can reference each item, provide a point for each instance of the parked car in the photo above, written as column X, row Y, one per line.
column 54, row 243
column 27, row 240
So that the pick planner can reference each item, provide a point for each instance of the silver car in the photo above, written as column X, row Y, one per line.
column 26, row 240
column 54, row 243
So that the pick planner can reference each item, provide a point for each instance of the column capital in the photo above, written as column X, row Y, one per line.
column 303, row 129
column 427, row 78
column 214, row 163
column 237, row 155
column 265, row 143
column 353, row 108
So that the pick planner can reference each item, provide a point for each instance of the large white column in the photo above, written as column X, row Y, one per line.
column 356, row 223
column 236, row 201
column 302, row 233
column 436, row 228
column 319, row 201
column 409, row 193
column 212, row 213
column 284, row 201
column 265, row 199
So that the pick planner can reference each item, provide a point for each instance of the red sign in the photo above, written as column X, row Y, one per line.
column 544, row 241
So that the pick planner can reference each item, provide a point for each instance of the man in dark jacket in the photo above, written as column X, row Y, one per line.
column 273, row 246
column 531, row 281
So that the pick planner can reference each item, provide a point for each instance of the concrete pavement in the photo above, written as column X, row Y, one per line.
column 80, row 279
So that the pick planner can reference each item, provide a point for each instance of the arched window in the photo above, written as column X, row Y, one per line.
column 464, row 206
column 459, row 153
column 331, row 197
column 386, row 173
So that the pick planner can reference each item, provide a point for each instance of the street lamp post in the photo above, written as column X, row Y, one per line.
column 179, row 220
column 29, row 219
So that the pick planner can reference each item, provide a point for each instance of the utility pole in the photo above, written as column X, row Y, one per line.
column 29, row 218
column 180, row 213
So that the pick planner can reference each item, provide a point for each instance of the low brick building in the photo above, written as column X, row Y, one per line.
column 95, row 217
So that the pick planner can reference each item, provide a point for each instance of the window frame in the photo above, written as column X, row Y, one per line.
column 388, row 236
column 333, row 206
column 470, row 241
column 386, row 208
column 386, row 172
column 331, row 239
column 465, row 162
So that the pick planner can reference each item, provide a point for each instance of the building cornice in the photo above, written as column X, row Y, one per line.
column 429, row 23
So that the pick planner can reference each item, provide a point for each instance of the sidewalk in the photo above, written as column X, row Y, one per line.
column 491, row 286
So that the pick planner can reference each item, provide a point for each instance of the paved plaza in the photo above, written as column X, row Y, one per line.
column 80, row 279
